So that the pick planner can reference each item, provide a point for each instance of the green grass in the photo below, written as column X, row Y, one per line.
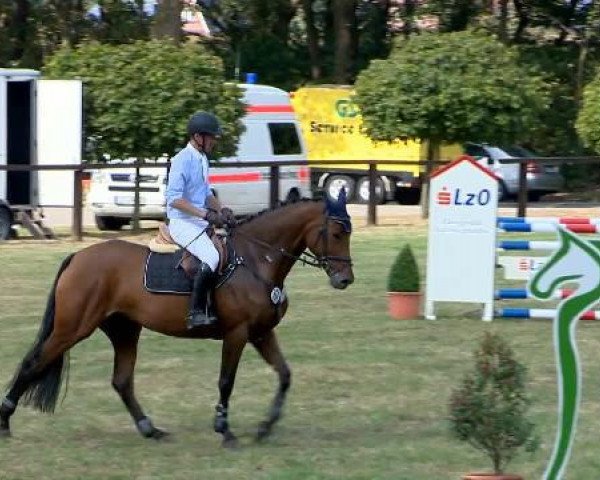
column 368, row 400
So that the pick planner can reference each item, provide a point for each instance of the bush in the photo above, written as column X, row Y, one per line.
column 404, row 274
column 488, row 410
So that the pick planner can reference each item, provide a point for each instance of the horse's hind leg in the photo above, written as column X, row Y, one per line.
column 269, row 349
column 39, row 377
column 124, row 335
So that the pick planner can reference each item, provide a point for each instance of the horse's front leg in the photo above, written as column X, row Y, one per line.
column 233, row 346
column 269, row 349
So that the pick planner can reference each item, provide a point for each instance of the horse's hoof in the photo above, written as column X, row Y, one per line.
column 4, row 432
column 264, row 430
column 158, row 434
column 231, row 443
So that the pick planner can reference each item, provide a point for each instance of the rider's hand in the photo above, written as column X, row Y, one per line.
column 215, row 218
column 228, row 216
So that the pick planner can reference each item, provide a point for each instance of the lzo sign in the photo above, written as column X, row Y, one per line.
column 576, row 261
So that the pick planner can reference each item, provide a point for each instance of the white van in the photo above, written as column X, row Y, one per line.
column 272, row 134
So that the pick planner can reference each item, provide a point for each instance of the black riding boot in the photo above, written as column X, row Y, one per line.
column 199, row 316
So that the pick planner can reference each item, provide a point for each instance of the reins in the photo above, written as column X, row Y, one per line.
column 306, row 258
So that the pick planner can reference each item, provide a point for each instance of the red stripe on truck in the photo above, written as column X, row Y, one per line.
column 270, row 109
column 234, row 177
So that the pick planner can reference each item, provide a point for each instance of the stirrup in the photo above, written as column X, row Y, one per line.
column 198, row 318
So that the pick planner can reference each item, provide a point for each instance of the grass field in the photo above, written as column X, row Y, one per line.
column 368, row 400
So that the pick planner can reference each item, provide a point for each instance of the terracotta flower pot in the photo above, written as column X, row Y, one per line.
column 404, row 305
column 491, row 476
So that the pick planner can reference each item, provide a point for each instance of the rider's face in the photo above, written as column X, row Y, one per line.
column 205, row 142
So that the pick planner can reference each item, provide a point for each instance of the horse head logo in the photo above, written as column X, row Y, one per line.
column 576, row 261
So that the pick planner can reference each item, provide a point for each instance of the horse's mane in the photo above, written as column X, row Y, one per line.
column 248, row 218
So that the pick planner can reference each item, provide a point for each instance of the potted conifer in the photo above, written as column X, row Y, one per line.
column 488, row 409
column 404, row 286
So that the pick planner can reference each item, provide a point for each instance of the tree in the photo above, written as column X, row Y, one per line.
column 168, row 20
column 129, row 114
column 588, row 121
column 450, row 88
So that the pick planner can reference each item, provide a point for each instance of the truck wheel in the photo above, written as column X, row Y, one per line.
column 408, row 196
column 335, row 183
column 5, row 223
column 362, row 191
column 110, row 223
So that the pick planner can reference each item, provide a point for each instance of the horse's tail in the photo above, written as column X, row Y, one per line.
column 43, row 390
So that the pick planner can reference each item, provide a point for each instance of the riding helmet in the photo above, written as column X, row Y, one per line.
column 204, row 122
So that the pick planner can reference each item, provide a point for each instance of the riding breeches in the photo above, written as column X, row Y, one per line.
column 186, row 232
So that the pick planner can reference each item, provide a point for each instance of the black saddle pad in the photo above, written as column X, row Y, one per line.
column 163, row 275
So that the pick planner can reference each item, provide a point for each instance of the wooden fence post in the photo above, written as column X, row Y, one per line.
column 372, row 214
column 274, row 190
column 522, row 207
column 76, row 229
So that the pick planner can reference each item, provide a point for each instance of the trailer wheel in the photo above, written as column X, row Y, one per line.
column 335, row 183
column 5, row 223
column 362, row 190
column 110, row 223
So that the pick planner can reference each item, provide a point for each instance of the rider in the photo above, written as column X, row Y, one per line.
column 191, row 207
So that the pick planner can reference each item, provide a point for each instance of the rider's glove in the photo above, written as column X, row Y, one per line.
column 228, row 217
column 215, row 218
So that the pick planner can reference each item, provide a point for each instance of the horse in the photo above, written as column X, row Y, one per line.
column 101, row 286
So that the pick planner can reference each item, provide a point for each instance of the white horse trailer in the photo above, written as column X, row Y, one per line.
column 40, row 123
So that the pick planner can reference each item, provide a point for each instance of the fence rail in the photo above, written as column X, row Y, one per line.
column 78, row 170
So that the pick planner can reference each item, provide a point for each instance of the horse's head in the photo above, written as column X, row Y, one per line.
column 329, row 240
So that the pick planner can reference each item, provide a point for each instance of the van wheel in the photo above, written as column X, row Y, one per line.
column 5, row 224
column 335, row 183
column 110, row 223
column 293, row 195
column 362, row 190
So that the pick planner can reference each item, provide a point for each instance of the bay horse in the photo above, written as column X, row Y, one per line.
column 101, row 286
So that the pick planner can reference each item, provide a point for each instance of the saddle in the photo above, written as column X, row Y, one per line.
column 164, row 243
column 171, row 269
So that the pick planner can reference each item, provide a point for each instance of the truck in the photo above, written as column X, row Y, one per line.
column 333, row 130
column 40, row 123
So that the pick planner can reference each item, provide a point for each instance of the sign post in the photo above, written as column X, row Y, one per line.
column 463, row 199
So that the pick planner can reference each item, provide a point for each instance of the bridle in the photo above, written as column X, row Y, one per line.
column 308, row 258
column 323, row 261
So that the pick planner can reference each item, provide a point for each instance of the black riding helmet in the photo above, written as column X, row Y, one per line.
column 204, row 123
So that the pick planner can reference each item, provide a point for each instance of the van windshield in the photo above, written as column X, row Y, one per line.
column 284, row 139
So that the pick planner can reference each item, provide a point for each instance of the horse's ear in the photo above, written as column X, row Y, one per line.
column 342, row 197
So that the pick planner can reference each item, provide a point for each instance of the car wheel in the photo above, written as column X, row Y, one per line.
column 110, row 223
column 335, row 183
column 5, row 223
column 502, row 192
column 534, row 196
column 362, row 191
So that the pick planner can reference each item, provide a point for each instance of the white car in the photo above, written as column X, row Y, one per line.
column 272, row 134
column 111, row 194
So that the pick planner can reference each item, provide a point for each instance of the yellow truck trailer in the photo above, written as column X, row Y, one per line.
column 332, row 129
